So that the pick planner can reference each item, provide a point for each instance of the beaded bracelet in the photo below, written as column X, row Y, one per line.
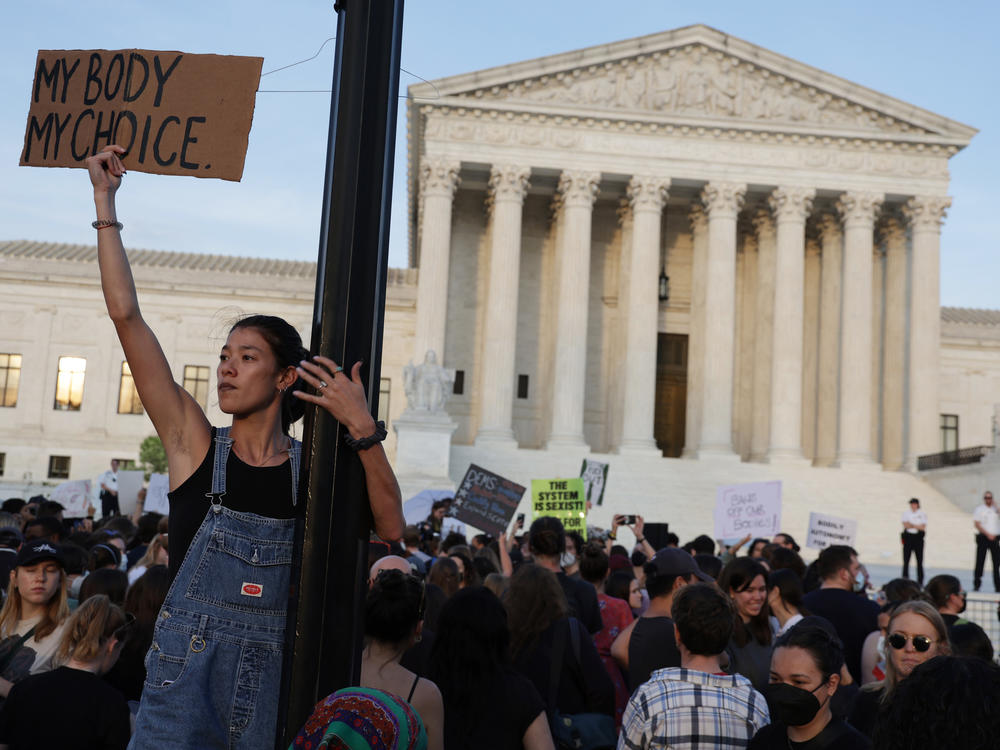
column 105, row 223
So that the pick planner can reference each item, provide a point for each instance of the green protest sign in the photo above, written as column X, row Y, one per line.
column 565, row 499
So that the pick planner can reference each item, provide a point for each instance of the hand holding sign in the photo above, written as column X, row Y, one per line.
column 107, row 169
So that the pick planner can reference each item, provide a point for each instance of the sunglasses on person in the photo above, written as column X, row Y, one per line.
column 921, row 643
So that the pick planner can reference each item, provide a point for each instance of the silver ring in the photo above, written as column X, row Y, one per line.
column 322, row 384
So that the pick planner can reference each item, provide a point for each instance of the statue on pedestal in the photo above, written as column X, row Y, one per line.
column 427, row 385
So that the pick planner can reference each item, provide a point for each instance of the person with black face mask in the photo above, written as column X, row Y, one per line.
column 805, row 673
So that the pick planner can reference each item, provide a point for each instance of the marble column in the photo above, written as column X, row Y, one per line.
column 722, row 201
column 894, row 347
column 647, row 196
column 507, row 188
column 763, row 224
column 810, row 343
column 791, row 207
column 925, row 215
column 858, row 210
column 745, row 366
column 438, row 180
column 577, row 191
column 878, row 330
column 828, row 378
column 696, row 330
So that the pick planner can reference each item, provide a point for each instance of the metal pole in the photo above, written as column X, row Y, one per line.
column 324, row 632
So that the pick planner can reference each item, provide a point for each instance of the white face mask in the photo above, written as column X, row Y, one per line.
column 567, row 560
column 858, row 584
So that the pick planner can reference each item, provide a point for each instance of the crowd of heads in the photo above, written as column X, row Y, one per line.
column 720, row 599
column 88, row 580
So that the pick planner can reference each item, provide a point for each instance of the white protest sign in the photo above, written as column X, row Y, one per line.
column 743, row 509
column 594, row 475
column 129, row 484
column 74, row 496
column 826, row 530
column 156, row 494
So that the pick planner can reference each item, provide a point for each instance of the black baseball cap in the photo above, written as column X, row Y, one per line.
column 672, row 561
column 38, row 550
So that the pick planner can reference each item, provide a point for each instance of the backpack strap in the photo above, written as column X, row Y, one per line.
column 9, row 656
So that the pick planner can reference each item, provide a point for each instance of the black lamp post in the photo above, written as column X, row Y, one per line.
column 664, row 285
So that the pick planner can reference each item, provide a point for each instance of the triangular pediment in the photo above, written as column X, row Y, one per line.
column 698, row 75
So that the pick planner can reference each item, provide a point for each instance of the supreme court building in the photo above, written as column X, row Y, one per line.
column 682, row 244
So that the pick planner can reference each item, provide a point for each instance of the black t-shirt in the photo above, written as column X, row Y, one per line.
column 651, row 647
column 835, row 736
column 865, row 710
column 263, row 490
column 513, row 703
column 853, row 616
column 584, row 685
column 582, row 599
column 64, row 708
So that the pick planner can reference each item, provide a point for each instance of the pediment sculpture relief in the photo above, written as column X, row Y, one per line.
column 699, row 82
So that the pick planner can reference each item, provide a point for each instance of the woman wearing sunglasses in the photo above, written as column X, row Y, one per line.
column 91, row 713
column 916, row 633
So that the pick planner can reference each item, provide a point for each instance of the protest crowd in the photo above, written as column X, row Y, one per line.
column 539, row 639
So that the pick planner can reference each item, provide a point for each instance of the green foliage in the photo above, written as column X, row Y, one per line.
column 152, row 457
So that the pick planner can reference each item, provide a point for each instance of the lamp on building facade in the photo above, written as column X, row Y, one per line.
column 664, row 285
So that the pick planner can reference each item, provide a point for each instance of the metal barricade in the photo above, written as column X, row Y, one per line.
column 984, row 610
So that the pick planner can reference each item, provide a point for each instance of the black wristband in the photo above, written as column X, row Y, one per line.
column 359, row 444
column 640, row 541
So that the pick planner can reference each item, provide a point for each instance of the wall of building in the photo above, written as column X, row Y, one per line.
column 50, row 309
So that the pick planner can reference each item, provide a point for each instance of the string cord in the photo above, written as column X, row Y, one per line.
column 327, row 91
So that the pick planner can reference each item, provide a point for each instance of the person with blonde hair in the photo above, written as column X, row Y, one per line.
column 916, row 633
column 157, row 553
column 33, row 616
column 91, row 713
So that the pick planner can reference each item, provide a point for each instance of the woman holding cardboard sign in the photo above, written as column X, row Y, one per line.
column 214, row 667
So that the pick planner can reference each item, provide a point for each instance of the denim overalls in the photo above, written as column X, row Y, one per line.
column 213, row 672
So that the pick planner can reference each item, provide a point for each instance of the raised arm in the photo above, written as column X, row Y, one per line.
column 177, row 418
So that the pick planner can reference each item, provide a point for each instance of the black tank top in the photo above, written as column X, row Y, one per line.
column 263, row 490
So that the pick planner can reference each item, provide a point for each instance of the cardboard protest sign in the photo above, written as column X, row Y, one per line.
column 174, row 113
column 743, row 509
column 156, row 494
column 75, row 498
column 565, row 499
column 594, row 475
column 486, row 500
column 827, row 530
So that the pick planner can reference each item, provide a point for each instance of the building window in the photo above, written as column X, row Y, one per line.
column 10, row 378
column 69, row 383
column 949, row 432
column 128, row 396
column 384, row 387
column 3, row 463
column 459, row 387
column 58, row 467
column 196, row 383
column 522, row 386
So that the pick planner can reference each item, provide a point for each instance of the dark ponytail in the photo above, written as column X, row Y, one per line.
column 286, row 345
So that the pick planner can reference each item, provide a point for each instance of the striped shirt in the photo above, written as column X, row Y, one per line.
column 690, row 710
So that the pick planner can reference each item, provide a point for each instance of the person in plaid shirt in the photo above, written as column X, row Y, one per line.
column 695, row 706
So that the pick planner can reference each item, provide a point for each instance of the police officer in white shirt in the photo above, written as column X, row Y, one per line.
column 986, row 519
column 109, row 491
column 914, row 529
